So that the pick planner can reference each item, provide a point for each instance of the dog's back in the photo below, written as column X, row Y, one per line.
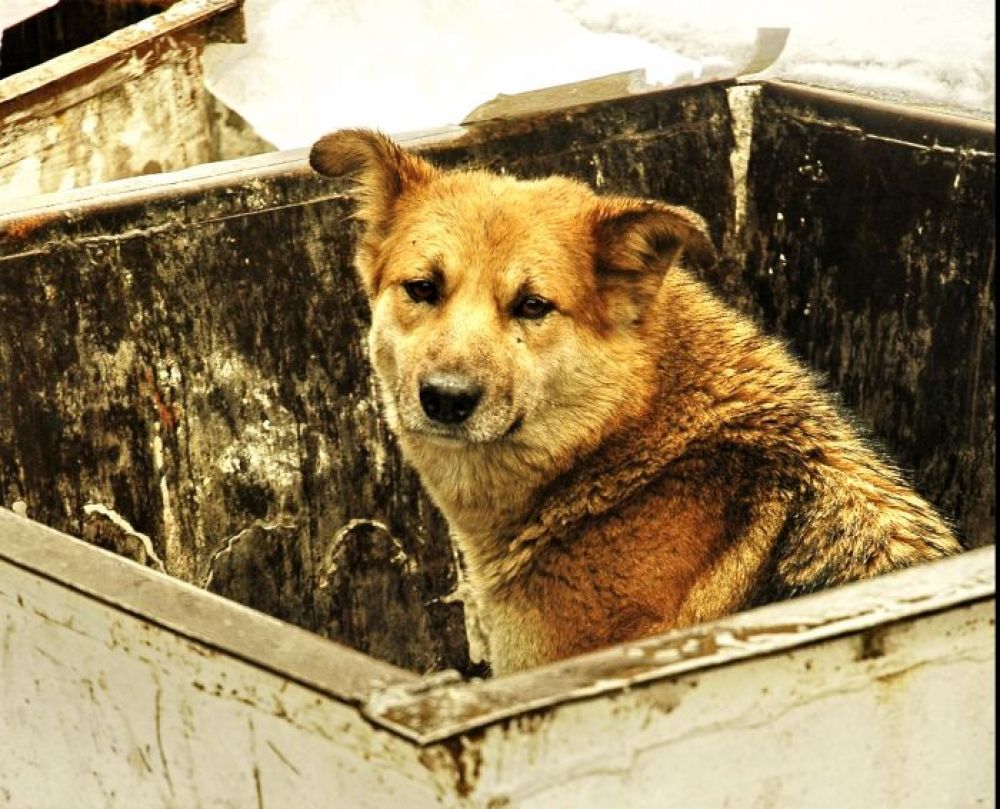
column 742, row 484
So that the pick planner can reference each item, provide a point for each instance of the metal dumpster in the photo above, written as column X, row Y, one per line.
column 183, row 379
column 132, row 102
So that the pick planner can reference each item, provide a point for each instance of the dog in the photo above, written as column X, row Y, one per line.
column 616, row 451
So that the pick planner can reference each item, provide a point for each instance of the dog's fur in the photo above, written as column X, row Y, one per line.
column 641, row 456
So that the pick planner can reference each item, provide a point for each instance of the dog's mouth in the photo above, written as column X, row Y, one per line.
column 464, row 433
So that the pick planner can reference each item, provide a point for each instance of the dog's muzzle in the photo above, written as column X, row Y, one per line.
column 449, row 398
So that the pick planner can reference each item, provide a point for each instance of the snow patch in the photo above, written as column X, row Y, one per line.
column 311, row 66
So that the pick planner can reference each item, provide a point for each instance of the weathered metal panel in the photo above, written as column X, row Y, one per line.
column 870, row 241
column 208, row 384
column 120, row 686
column 894, row 718
column 61, row 27
column 131, row 103
column 100, row 706
column 187, row 351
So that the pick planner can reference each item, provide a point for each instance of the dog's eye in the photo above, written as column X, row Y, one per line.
column 422, row 291
column 532, row 307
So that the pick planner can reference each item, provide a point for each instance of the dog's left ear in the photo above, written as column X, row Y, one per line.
column 636, row 243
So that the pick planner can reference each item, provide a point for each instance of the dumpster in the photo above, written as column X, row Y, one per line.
column 131, row 102
column 183, row 380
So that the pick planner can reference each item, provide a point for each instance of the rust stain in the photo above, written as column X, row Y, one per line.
column 462, row 756
column 169, row 415
column 872, row 644
column 893, row 679
column 21, row 229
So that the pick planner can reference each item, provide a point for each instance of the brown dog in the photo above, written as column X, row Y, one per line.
column 616, row 451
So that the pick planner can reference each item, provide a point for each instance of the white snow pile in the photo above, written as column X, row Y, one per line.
column 938, row 53
column 310, row 66
column 13, row 11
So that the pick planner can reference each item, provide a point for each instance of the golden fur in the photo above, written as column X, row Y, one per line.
column 641, row 456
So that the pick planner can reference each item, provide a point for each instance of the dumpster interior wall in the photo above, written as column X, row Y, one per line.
column 183, row 369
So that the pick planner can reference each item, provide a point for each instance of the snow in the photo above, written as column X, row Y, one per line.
column 13, row 11
column 929, row 52
column 311, row 66
column 315, row 65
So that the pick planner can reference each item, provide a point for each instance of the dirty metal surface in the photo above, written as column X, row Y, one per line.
column 672, row 145
column 211, row 376
column 131, row 103
column 196, row 360
column 65, row 27
column 892, row 717
column 152, row 35
column 181, row 363
column 871, row 244
column 120, row 682
column 122, row 687
column 427, row 712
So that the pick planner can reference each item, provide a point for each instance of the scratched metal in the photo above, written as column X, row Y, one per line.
column 217, row 623
column 120, row 682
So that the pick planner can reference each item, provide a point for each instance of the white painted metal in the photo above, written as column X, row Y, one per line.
column 122, row 687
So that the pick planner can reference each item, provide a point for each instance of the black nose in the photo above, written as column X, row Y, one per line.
column 449, row 398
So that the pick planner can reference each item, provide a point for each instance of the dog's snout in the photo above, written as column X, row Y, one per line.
column 449, row 398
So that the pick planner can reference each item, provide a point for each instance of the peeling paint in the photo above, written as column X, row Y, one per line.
column 742, row 104
column 228, row 545
column 106, row 528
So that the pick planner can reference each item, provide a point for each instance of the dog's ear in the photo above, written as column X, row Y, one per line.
column 384, row 171
column 636, row 243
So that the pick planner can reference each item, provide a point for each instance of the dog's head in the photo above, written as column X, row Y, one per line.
column 505, row 313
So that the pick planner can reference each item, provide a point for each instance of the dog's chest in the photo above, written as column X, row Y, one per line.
column 614, row 578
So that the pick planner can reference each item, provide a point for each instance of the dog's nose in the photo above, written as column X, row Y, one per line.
column 449, row 398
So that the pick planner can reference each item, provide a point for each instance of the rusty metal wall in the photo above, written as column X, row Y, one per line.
column 190, row 355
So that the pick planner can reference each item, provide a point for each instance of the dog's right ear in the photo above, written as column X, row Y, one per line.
column 383, row 169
